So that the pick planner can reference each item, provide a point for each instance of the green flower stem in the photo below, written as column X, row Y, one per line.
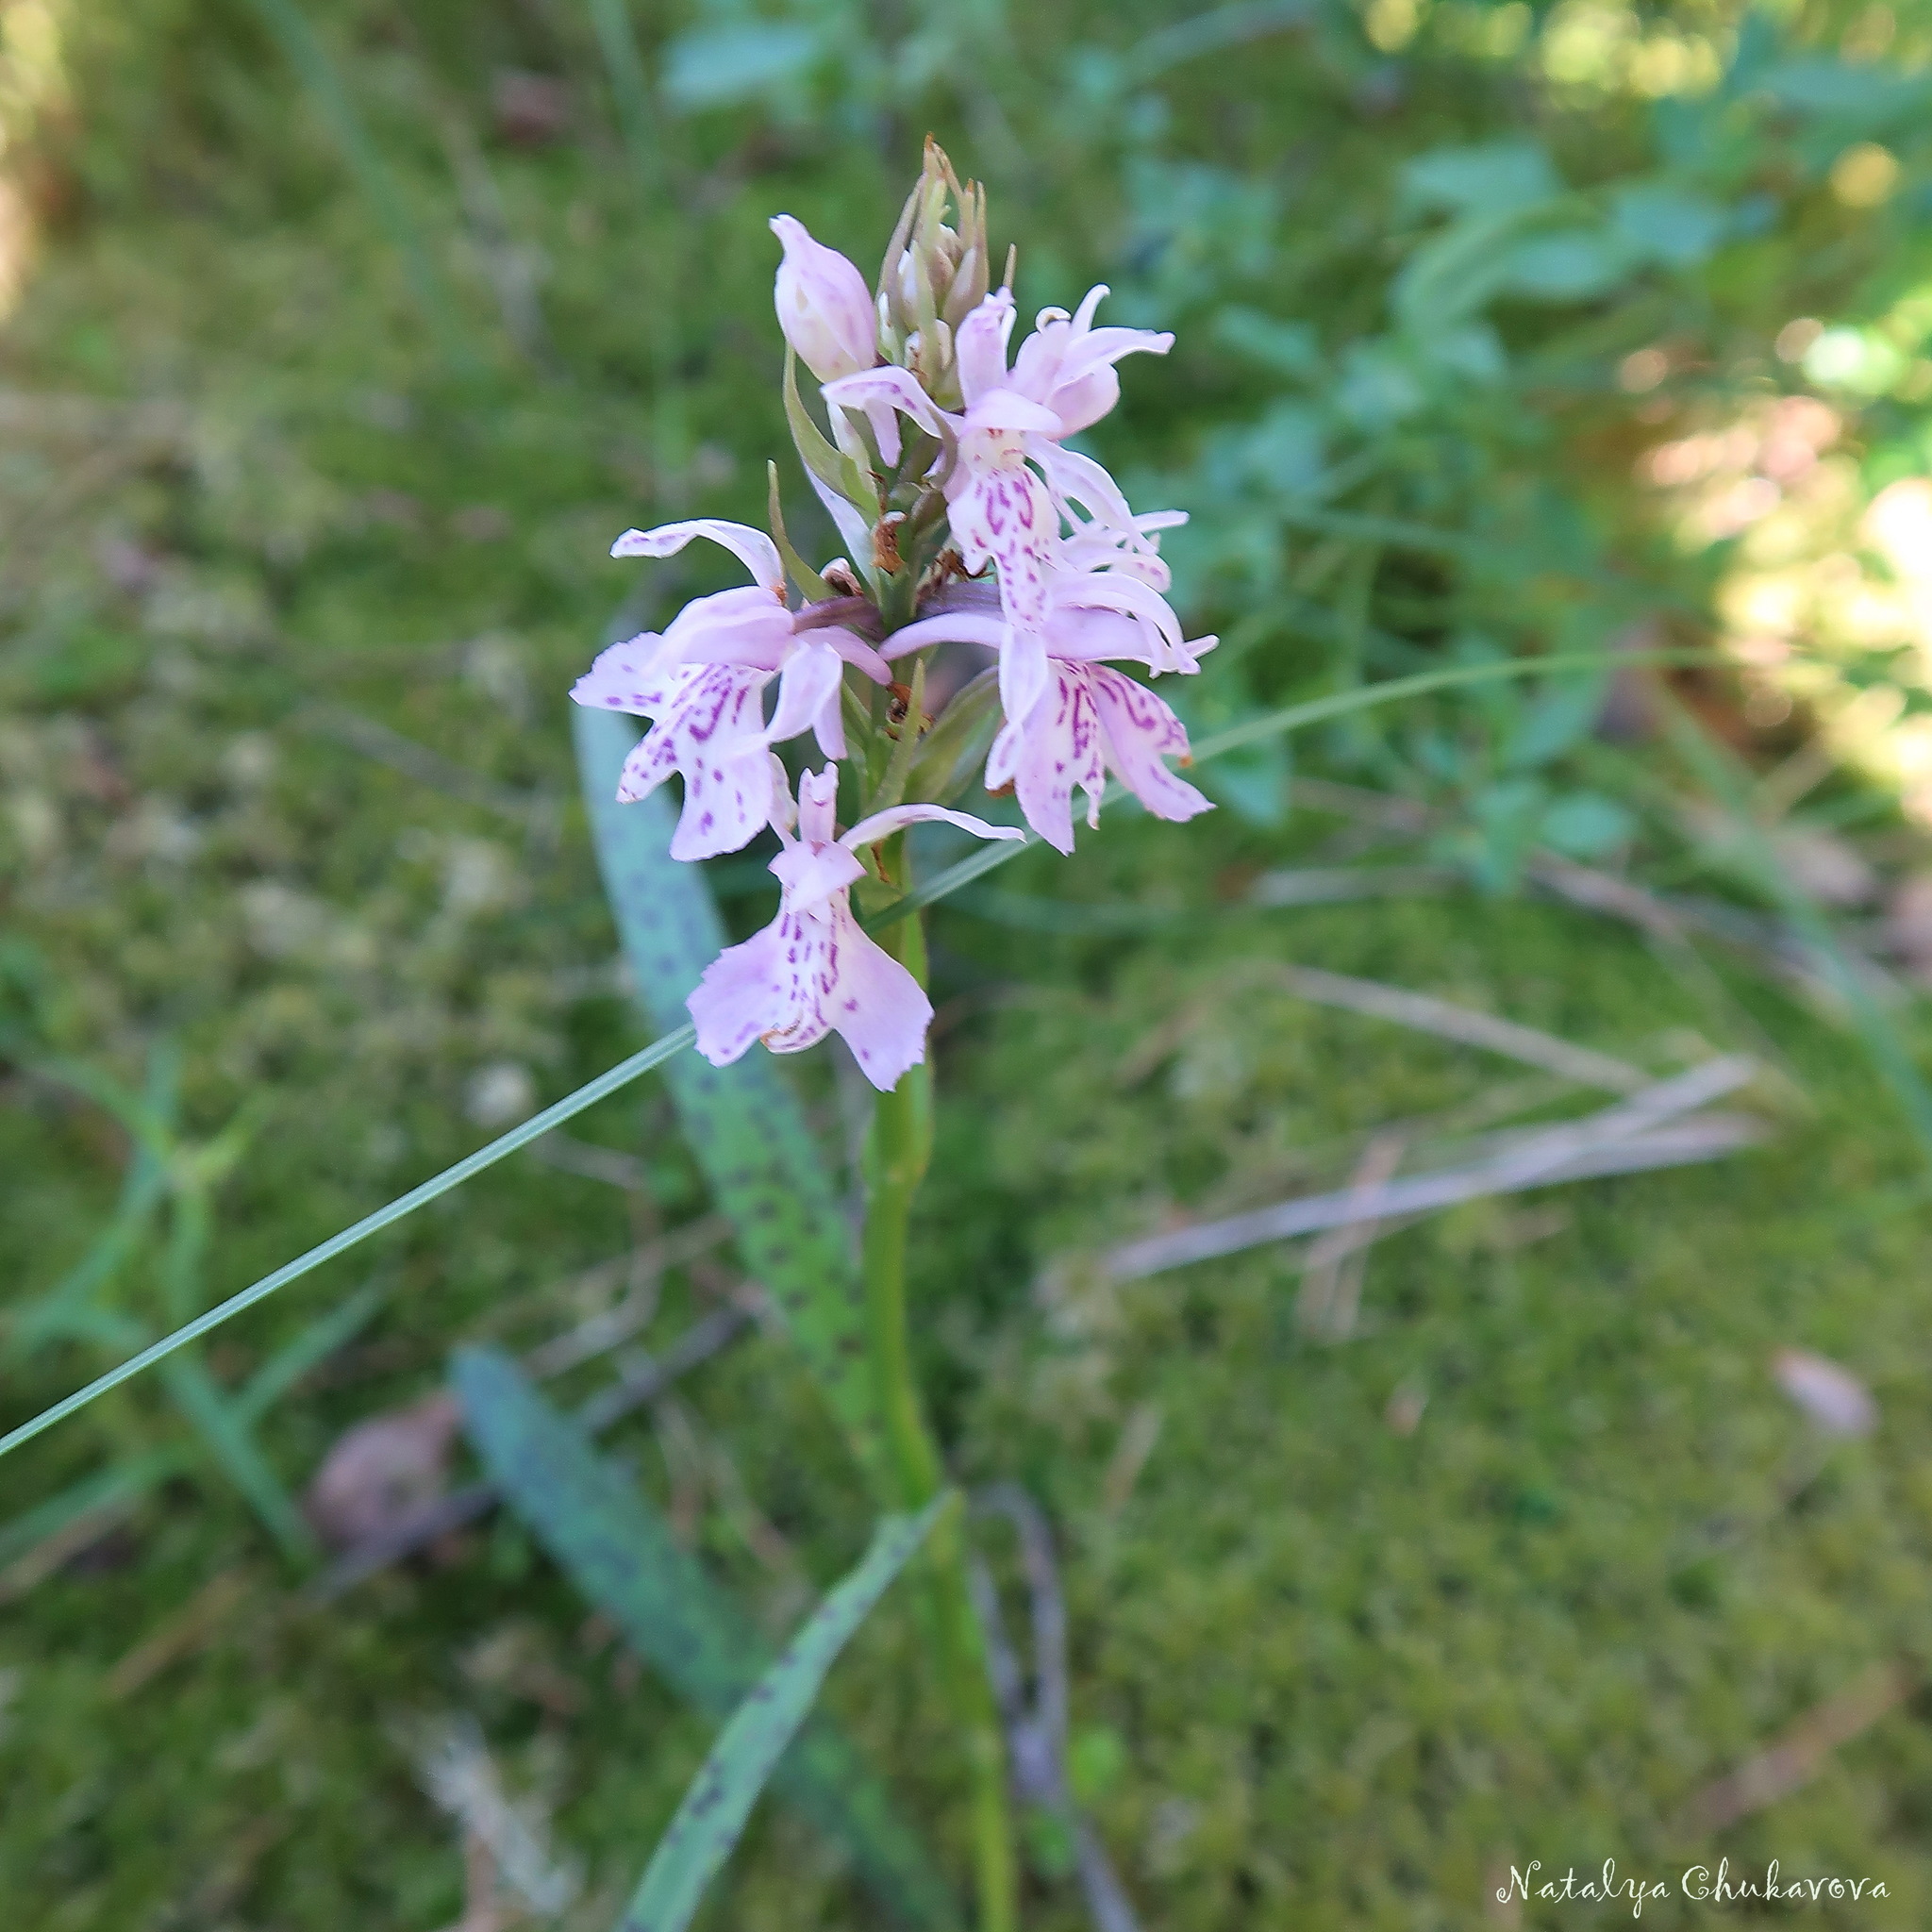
column 896, row 1154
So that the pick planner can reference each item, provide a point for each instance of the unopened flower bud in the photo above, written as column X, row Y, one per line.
column 935, row 274
column 824, row 305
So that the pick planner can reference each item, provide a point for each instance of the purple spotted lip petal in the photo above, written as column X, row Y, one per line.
column 812, row 971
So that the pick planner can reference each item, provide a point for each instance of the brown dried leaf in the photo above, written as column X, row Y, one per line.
column 381, row 1469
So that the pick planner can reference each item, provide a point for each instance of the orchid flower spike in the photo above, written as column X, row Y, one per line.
column 1012, row 482
column 812, row 971
column 823, row 305
column 702, row 683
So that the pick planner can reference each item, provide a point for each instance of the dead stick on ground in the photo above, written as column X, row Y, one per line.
column 1332, row 1269
column 1797, row 1755
column 1036, row 1734
column 1423, row 1012
column 1624, row 1139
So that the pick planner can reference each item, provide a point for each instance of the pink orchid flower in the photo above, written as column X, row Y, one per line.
column 812, row 971
column 1095, row 718
column 702, row 683
column 1011, row 481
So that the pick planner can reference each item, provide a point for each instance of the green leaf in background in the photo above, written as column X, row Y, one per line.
column 720, row 1797
column 1669, row 224
column 736, row 63
column 1570, row 265
column 1496, row 179
column 620, row 1552
column 743, row 1122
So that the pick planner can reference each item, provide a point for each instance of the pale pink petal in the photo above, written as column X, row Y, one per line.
column 623, row 677
column 947, row 628
column 811, row 874
column 1081, row 403
column 1022, row 673
column 1140, row 730
column 744, row 991
column 873, row 1001
column 1067, row 363
column 745, row 625
column 857, row 653
column 784, row 808
column 812, row 674
column 980, row 345
column 823, row 305
column 1006, row 408
column 896, row 388
column 817, row 804
column 711, row 729
column 1089, row 302
column 1120, row 590
column 1077, row 479
column 882, row 824
column 1088, row 636
column 751, row 548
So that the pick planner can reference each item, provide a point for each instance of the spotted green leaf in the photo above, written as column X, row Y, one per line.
column 620, row 1552
column 743, row 1122
column 733, row 1776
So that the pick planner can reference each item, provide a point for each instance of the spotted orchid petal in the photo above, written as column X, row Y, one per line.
column 1003, row 515
column 710, row 727
column 625, row 678
column 1095, row 720
column 806, row 974
column 750, row 547
column 813, row 969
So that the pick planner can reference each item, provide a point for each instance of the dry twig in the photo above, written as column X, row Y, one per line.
column 1797, row 1755
column 1625, row 1138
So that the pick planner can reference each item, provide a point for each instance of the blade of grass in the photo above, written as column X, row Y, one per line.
column 304, row 52
column 624, row 65
column 1290, row 718
column 621, row 1556
column 314, row 1344
column 202, row 1400
column 103, row 1490
column 438, row 1185
column 720, row 1797
column 62, row 1311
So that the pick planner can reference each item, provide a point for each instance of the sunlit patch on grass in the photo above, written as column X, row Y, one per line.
column 33, row 83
